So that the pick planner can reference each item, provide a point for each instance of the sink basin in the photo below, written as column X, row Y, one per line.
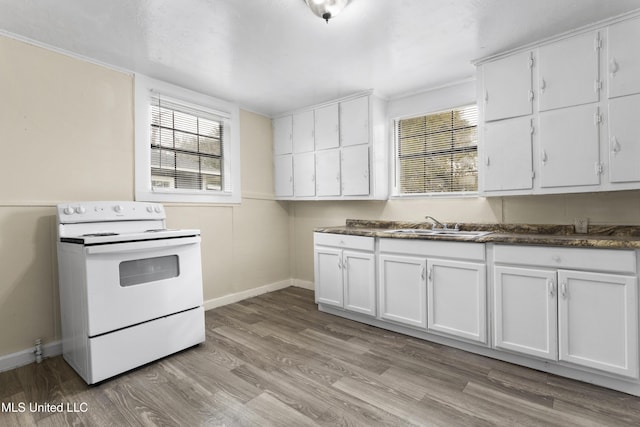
column 439, row 232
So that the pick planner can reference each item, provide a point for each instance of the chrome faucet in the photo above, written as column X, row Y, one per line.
column 438, row 223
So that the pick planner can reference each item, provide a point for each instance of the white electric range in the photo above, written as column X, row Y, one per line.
column 130, row 289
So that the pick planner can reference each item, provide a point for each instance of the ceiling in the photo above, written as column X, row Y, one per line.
column 271, row 56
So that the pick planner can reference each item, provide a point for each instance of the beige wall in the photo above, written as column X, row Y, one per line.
column 66, row 134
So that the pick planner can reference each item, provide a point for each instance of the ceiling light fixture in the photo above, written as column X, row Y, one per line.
column 326, row 9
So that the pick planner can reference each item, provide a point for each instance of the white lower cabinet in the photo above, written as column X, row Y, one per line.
column 345, row 272
column 430, row 285
column 598, row 321
column 456, row 299
column 585, row 318
column 525, row 311
column 571, row 311
column 403, row 293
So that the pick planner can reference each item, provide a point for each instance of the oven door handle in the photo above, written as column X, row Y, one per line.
column 141, row 246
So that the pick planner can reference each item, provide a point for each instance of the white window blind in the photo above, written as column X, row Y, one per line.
column 187, row 147
column 437, row 153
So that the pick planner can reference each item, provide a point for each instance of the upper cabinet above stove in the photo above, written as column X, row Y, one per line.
column 623, row 62
column 559, row 116
column 332, row 151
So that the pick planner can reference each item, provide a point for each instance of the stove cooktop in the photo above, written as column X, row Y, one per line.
column 101, row 238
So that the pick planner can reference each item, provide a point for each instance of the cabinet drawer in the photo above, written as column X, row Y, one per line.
column 623, row 261
column 432, row 248
column 344, row 241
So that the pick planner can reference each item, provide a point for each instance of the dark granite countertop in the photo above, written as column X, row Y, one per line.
column 599, row 236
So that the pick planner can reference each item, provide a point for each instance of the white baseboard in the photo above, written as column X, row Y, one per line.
column 304, row 284
column 249, row 293
column 25, row 357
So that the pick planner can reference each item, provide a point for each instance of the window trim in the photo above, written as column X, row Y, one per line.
column 144, row 87
column 395, row 168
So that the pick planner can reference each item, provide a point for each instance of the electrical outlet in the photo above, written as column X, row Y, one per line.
column 581, row 225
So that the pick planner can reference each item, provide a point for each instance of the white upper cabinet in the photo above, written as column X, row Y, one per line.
column 327, row 128
column 507, row 155
column 569, row 147
column 302, row 134
column 581, row 140
column 328, row 173
column 304, row 175
column 624, row 139
column 355, row 170
column 282, row 135
column 623, row 66
column 507, row 87
column 349, row 141
column 283, row 175
column 568, row 72
column 354, row 121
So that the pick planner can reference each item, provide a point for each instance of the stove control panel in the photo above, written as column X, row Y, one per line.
column 108, row 211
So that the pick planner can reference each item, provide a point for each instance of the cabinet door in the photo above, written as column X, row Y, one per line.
column 624, row 58
column 327, row 130
column 624, row 139
column 355, row 171
column 359, row 282
column 568, row 72
column 283, row 175
column 328, row 276
column 403, row 295
column 282, row 133
column 507, row 87
column 508, row 162
column 598, row 321
column 302, row 133
column 304, row 171
column 328, row 172
column 569, row 147
column 456, row 299
column 525, row 311
column 354, row 121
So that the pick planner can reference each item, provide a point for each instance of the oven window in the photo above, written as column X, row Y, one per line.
column 147, row 270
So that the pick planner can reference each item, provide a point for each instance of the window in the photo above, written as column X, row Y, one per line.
column 187, row 145
column 437, row 153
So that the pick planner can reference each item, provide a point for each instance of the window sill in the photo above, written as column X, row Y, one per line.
column 461, row 195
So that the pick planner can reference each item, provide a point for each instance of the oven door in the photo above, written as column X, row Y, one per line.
column 132, row 283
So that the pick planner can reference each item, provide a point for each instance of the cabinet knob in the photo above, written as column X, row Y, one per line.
column 563, row 289
column 556, row 258
column 615, row 145
column 613, row 67
column 543, row 85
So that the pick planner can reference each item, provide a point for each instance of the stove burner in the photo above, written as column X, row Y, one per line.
column 99, row 234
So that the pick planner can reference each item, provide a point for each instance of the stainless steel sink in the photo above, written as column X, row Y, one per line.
column 438, row 232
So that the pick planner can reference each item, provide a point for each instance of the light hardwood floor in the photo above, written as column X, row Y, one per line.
column 276, row 360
